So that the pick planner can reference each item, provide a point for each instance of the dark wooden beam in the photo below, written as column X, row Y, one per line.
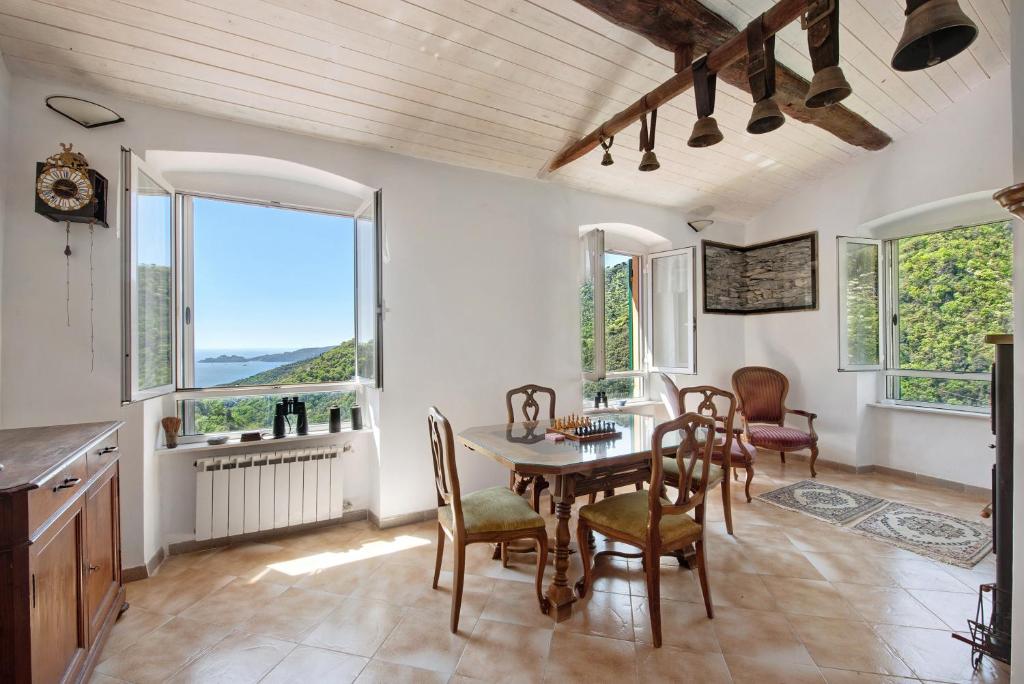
column 686, row 27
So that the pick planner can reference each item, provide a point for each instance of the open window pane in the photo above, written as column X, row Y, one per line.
column 149, row 288
column 671, row 311
column 953, row 288
column 274, row 295
column 942, row 391
column 860, row 271
column 367, row 237
column 592, row 318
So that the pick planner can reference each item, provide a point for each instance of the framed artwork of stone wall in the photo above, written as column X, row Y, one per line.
column 769, row 277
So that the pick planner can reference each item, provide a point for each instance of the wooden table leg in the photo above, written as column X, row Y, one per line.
column 560, row 593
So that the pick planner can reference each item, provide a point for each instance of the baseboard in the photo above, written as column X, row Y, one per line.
column 264, row 535
column 141, row 572
column 403, row 519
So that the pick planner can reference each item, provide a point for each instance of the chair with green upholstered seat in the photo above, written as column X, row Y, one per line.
column 494, row 516
column 733, row 454
column 653, row 523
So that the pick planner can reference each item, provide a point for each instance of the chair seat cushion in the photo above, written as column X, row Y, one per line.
column 497, row 509
column 672, row 472
column 628, row 514
column 742, row 454
column 778, row 436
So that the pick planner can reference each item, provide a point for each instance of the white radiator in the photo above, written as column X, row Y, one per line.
column 265, row 491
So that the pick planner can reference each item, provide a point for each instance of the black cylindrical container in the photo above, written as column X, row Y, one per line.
column 279, row 431
column 334, row 425
column 357, row 417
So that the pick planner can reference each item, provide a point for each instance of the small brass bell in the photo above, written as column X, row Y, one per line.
column 828, row 87
column 766, row 117
column 649, row 162
column 607, row 160
column 705, row 133
column 935, row 31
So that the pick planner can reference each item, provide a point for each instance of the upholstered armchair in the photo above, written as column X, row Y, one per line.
column 762, row 402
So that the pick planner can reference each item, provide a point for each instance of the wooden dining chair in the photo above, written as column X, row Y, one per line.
column 734, row 453
column 530, row 410
column 492, row 516
column 653, row 523
column 762, row 394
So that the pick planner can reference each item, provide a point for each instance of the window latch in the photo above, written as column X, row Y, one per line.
column 895, row 319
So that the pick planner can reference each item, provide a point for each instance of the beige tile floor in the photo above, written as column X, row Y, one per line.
column 796, row 600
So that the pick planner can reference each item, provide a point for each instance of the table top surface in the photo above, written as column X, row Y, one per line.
column 522, row 445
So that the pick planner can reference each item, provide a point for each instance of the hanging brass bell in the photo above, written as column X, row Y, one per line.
column 607, row 160
column 766, row 117
column 828, row 87
column 649, row 162
column 935, row 31
column 705, row 133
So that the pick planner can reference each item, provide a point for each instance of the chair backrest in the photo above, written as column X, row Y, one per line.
column 692, row 450
column 446, row 476
column 529, row 408
column 669, row 395
column 714, row 403
column 762, row 393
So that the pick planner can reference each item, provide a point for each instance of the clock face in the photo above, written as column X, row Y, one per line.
column 64, row 188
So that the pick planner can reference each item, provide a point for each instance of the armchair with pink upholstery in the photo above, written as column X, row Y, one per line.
column 762, row 401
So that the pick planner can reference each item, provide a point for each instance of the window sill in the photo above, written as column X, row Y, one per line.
column 925, row 409
column 642, row 403
column 285, row 442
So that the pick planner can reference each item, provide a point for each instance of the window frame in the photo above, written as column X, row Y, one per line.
column 186, row 304
column 131, row 167
column 888, row 324
column 844, row 330
column 691, row 368
column 594, row 248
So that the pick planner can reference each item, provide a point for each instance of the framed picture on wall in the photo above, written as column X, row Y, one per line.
column 768, row 277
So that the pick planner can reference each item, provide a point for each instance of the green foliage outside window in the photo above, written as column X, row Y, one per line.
column 154, row 325
column 619, row 332
column 954, row 288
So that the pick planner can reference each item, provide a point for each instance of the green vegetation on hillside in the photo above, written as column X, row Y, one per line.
column 618, row 331
column 954, row 288
column 257, row 412
column 153, row 327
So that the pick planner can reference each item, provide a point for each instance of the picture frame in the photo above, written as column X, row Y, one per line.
column 767, row 277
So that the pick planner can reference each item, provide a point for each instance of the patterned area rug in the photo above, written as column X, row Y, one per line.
column 934, row 535
column 823, row 501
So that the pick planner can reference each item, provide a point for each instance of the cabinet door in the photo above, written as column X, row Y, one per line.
column 58, row 625
column 102, row 566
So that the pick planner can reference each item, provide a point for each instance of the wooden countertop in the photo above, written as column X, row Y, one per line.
column 30, row 455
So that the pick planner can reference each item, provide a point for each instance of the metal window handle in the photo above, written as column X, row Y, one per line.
column 107, row 450
column 67, row 483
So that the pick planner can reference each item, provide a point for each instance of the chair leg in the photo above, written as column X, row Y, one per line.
column 736, row 474
column 652, row 573
column 814, row 457
column 459, row 576
column 536, row 496
column 782, row 455
column 504, row 554
column 592, row 498
column 750, row 476
column 542, row 561
column 727, row 503
column 440, row 554
column 702, row 573
column 551, row 502
column 586, row 559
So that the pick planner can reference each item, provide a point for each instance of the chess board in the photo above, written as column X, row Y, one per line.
column 567, row 428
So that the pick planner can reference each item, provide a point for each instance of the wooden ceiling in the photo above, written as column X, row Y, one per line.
column 499, row 85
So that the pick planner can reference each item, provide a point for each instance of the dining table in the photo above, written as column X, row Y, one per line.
column 575, row 468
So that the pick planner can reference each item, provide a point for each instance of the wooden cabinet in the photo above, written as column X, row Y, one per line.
column 60, row 550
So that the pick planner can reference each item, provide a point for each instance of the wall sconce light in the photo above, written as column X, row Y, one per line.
column 699, row 224
column 83, row 112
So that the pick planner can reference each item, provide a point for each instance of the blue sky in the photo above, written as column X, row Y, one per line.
column 269, row 278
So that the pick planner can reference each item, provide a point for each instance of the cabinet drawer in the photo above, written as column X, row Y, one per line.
column 55, row 492
column 101, row 455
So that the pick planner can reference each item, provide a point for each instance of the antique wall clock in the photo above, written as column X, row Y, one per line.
column 68, row 190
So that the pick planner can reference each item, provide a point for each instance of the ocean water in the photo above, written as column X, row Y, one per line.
column 213, row 374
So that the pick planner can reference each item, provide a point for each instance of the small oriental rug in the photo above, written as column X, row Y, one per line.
column 934, row 535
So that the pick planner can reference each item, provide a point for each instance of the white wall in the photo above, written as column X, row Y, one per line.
column 962, row 150
column 481, row 295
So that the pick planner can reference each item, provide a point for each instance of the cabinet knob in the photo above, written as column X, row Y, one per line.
column 93, row 568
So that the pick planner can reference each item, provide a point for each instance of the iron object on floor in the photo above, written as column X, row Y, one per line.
column 989, row 637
